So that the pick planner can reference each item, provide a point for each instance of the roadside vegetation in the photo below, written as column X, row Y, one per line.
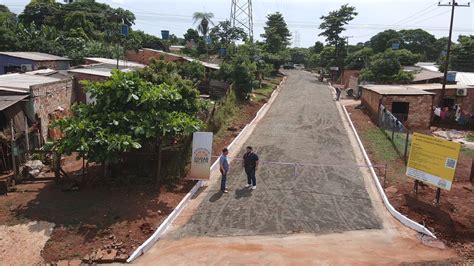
column 452, row 220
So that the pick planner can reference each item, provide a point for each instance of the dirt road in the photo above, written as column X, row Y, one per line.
column 311, row 200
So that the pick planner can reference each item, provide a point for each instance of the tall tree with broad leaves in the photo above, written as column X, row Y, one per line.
column 225, row 34
column 333, row 24
column 332, row 27
column 384, row 40
column 277, row 36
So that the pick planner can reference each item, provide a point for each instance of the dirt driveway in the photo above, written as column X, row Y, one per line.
column 310, row 194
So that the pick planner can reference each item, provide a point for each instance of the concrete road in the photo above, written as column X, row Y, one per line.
column 325, row 211
column 308, row 180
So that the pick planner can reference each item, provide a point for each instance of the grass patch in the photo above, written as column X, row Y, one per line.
column 380, row 145
column 224, row 113
column 263, row 93
column 468, row 152
column 470, row 138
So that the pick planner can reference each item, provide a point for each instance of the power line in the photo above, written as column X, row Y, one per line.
column 417, row 14
column 437, row 15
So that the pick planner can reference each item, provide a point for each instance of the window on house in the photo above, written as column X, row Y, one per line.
column 400, row 110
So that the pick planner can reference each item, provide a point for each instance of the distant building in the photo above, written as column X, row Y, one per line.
column 19, row 62
column 413, row 104
column 99, row 69
column 145, row 55
column 412, row 107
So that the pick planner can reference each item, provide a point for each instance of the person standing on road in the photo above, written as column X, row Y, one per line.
column 338, row 93
column 250, row 165
column 224, row 167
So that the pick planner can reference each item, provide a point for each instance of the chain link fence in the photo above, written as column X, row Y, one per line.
column 398, row 134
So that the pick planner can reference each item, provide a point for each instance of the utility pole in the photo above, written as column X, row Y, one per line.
column 453, row 5
column 347, row 43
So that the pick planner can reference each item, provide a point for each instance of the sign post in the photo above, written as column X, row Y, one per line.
column 201, row 156
column 433, row 161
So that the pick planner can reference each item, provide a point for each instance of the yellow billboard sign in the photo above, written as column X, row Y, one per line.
column 433, row 160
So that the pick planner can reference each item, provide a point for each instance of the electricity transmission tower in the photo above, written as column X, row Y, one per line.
column 241, row 16
column 296, row 39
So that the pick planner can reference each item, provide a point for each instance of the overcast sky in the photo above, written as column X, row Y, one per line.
column 302, row 16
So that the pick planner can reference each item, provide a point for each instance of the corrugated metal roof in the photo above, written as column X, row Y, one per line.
column 102, row 70
column 35, row 56
column 465, row 78
column 9, row 100
column 189, row 59
column 438, row 86
column 396, row 90
column 425, row 74
column 122, row 63
column 24, row 81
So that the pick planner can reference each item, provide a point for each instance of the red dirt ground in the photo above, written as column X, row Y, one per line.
column 453, row 220
column 101, row 215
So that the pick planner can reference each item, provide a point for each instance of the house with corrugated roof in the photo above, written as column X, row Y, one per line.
column 20, row 62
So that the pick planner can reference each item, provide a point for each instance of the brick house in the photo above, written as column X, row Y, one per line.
column 145, row 55
column 454, row 94
column 96, row 72
column 47, row 93
column 17, row 62
column 411, row 106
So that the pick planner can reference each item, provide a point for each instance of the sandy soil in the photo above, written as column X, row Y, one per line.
column 21, row 244
column 349, row 248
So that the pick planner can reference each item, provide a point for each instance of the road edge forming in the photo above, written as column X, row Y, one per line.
column 184, row 202
column 396, row 214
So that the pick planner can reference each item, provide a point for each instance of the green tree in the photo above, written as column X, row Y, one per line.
column 40, row 12
column 129, row 113
column 420, row 42
column 299, row 55
column 385, row 68
column 360, row 59
column 407, row 58
column 317, row 47
column 326, row 57
column 192, row 34
column 462, row 54
column 332, row 28
column 383, row 40
column 193, row 71
column 277, row 36
column 224, row 34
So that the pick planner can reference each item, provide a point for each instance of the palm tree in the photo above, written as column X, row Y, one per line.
column 203, row 18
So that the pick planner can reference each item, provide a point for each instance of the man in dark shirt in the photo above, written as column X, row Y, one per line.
column 250, row 165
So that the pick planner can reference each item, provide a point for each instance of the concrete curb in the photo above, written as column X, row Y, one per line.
column 400, row 217
column 184, row 202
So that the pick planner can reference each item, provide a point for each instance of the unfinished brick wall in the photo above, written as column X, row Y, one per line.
column 79, row 94
column 48, row 97
column 371, row 100
column 420, row 109
column 144, row 56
